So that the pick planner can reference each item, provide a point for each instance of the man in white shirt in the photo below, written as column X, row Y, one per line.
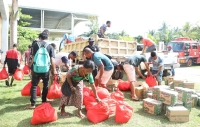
column 172, row 68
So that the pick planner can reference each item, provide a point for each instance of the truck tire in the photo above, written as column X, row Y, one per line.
column 189, row 62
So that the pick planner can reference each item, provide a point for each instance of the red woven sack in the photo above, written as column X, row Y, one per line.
column 26, row 69
column 111, row 104
column 18, row 75
column 101, row 92
column 44, row 113
column 151, row 81
column 26, row 90
column 3, row 74
column 54, row 91
column 124, row 112
column 117, row 95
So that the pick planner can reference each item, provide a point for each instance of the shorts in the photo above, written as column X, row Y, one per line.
column 151, row 48
column 159, row 76
column 11, row 70
column 105, row 77
column 130, row 72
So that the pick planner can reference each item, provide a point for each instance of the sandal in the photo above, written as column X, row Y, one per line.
column 7, row 83
column 135, row 99
column 65, row 114
column 82, row 116
column 30, row 107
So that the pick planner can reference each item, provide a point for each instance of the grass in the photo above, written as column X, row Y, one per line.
column 12, row 113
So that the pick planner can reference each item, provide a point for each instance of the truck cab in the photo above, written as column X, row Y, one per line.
column 188, row 51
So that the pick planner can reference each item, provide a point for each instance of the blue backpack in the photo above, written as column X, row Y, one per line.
column 41, row 63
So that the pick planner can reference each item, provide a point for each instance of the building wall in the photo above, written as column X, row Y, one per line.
column 0, row 32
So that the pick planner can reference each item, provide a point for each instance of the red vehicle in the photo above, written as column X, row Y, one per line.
column 188, row 51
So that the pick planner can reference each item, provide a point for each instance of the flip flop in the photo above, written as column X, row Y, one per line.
column 7, row 83
column 30, row 107
column 82, row 117
column 65, row 114
column 135, row 99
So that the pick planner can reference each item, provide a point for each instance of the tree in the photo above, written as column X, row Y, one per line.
column 93, row 28
column 25, row 36
column 14, row 16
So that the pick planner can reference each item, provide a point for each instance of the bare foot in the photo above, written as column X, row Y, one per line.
column 65, row 114
column 81, row 115
column 135, row 98
column 30, row 107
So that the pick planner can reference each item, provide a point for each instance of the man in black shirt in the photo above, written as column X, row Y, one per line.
column 37, row 76
column 94, row 48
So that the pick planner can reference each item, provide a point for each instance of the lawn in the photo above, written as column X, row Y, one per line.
column 12, row 113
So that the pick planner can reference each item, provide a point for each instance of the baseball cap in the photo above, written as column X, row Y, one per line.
column 90, row 40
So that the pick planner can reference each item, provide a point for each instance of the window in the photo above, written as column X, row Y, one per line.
column 194, row 46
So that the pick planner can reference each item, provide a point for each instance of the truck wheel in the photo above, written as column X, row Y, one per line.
column 189, row 63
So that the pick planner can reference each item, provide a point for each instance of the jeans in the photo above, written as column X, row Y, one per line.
column 173, row 72
column 159, row 76
column 35, row 80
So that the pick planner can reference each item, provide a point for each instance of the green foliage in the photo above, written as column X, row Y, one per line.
column 25, row 35
column 93, row 28
column 120, row 36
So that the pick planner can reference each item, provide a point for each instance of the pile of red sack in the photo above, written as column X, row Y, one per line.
column 110, row 104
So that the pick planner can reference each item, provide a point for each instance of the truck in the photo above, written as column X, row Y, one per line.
column 188, row 51
column 118, row 50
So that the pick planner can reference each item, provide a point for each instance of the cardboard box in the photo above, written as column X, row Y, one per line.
column 168, row 79
column 188, row 105
column 145, row 92
column 194, row 100
column 179, row 103
column 177, row 114
column 139, row 92
column 184, row 94
column 156, row 90
column 152, row 106
column 112, row 84
column 198, row 94
column 150, row 95
column 168, row 97
column 176, row 83
column 189, row 85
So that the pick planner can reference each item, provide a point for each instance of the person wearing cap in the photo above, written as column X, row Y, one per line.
column 13, row 62
column 103, row 28
column 169, row 48
column 94, row 48
column 104, row 64
column 157, row 69
column 149, row 45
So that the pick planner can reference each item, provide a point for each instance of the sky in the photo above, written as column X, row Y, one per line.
column 136, row 17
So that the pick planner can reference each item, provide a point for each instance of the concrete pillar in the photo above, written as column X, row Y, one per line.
column 72, row 25
column 4, row 39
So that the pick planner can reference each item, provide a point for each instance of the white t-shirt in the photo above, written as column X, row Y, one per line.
column 62, row 58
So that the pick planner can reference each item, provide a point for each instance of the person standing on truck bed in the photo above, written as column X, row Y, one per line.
column 103, row 29
column 104, row 64
column 149, row 45
column 157, row 69
column 94, row 48
column 130, row 66
column 169, row 48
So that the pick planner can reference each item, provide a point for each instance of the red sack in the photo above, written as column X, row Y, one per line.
column 88, row 101
column 117, row 95
column 123, row 85
column 26, row 90
column 151, row 81
column 86, row 89
column 124, row 112
column 44, row 113
column 111, row 104
column 26, row 69
column 3, row 74
column 18, row 75
column 101, row 92
column 54, row 91
column 98, row 113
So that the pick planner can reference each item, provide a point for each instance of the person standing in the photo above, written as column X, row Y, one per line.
column 131, row 65
column 13, row 62
column 104, row 64
column 27, row 56
column 149, row 45
column 41, row 49
column 157, row 69
column 103, row 28
column 54, row 47
column 169, row 48
column 94, row 48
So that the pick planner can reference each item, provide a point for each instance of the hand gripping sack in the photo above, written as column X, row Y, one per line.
column 18, row 75
column 26, row 90
column 124, row 112
column 3, row 74
column 123, row 85
column 54, row 91
column 117, row 95
column 101, row 92
column 98, row 113
column 151, row 81
column 44, row 113
column 41, row 62
column 26, row 69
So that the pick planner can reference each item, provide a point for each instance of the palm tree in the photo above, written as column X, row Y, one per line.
column 14, row 16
